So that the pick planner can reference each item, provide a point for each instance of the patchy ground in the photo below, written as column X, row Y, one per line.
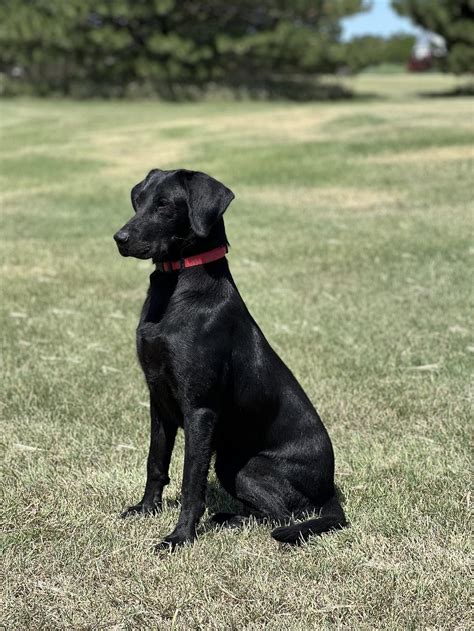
column 351, row 245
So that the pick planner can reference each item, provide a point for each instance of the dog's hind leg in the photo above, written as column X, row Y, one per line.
column 265, row 494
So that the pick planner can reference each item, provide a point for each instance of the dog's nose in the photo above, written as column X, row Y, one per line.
column 121, row 237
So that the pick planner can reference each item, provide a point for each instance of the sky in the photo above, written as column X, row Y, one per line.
column 380, row 20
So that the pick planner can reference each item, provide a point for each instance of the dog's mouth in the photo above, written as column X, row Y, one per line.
column 138, row 253
column 123, row 250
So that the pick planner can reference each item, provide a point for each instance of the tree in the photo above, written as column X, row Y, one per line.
column 370, row 50
column 453, row 20
column 109, row 46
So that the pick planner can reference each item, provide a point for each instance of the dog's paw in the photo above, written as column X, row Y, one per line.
column 142, row 508
column 172, row 541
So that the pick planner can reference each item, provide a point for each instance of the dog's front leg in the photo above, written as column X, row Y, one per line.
column 198, row 431
column 162, row 438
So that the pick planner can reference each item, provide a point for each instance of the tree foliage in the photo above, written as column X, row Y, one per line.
column 453, row 20
column 115, row 46
column 370, row 50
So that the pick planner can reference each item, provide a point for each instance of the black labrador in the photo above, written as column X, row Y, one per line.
column 211, row 371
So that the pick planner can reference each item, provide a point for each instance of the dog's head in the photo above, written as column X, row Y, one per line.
column 175, row 211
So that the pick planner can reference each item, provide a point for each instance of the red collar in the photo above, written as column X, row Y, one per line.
column 192, row 261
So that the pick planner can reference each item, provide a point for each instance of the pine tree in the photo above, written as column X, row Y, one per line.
column 110, row 46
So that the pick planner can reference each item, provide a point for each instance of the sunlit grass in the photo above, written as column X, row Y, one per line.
column 351, row 244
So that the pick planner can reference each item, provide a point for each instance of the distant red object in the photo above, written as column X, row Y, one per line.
column 427, row 48
column 420, row 65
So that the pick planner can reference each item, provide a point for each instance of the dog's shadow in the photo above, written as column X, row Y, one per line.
column 219, row 501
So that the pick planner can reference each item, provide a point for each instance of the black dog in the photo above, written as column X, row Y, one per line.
column 211, row 371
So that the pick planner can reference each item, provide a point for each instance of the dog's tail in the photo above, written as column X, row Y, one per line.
column 331, row 517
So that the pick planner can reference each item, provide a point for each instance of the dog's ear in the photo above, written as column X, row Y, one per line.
column 207, row 201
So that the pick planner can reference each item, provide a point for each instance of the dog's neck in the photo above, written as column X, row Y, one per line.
column 181, row 249
column 173, row 293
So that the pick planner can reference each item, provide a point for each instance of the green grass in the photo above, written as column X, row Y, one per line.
column 352, row 246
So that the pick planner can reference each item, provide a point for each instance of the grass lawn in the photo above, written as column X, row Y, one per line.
column 351, row 244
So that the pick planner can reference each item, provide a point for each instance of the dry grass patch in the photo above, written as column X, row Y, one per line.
column 141, row 157
column 300, row 123
column 21, row 194
column 345, row 198
column 433, row 154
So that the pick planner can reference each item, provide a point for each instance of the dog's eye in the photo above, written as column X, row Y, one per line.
column 162, row 202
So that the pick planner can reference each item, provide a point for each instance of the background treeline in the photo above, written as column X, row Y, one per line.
column 369, row 50
column 181, row 48
column 173, row 48
column 169, row 47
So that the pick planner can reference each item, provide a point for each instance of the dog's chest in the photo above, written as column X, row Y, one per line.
column 157, row 359
column 155, row 344
column 153, row 350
